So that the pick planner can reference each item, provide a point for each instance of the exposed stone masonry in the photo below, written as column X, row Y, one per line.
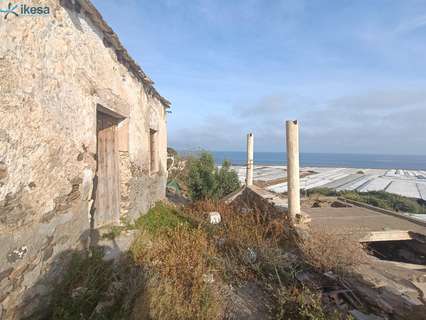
column 55, row 71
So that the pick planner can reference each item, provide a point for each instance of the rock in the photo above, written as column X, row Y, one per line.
column 250, row 256
column 17, row 254
column 114, row 248
column 421, row 286
column 358, row 315
column 316, row 204
column 100, row 308
column 78, row 292
column 248, row 302
column 220, row 242
column 214, row 217
column 290, row 259
column 208, row 278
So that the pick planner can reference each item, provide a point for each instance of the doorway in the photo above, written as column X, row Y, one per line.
column 107, row 201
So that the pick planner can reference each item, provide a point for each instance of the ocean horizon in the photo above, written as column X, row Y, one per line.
column 337, row 160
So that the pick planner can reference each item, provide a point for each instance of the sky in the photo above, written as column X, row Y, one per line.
column 352, row 72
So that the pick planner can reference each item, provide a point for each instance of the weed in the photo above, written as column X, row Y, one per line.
column 84, row 286
column 386, row 200
column 249, row 244
column 322, row 191
column 379, row 199
column 114, row 232
column 179, row 252
column 179, row 258
column 160, row 218
column 300, row 303
column 326, row 251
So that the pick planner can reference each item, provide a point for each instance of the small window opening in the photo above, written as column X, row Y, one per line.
column 153, row 145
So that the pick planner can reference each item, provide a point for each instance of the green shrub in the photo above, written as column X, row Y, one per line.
column 176, row 257
column 302, row 304
column 381, row 199
column 202, row 181
column 160, row 218
column 322, row 191
column 228, row 180
column 206, row 182
column 114, row 232
column 386, row 200
column 84, row 285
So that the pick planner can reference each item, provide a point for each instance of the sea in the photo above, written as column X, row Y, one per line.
column 334, row 160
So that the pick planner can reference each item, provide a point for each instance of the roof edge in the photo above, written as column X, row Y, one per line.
column 111, row 40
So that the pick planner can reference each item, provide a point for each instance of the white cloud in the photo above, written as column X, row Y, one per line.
column 412, row 24
column 380, row 121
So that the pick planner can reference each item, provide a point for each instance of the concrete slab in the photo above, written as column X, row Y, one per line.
column 361, row 222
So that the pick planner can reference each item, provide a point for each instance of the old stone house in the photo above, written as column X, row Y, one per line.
column 83, row 142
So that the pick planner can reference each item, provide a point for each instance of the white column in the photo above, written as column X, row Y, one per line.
column 293, row 178
column 249, row 173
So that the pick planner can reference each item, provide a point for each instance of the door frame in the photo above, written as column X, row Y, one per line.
column 116, row 119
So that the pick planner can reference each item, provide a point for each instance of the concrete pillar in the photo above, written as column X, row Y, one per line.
column 249, row 173
column 293, row 178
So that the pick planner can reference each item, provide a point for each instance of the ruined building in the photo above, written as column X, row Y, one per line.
column 83, row 142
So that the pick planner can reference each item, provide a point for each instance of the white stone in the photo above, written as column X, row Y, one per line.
column 208, row 278
column 214, row 217
column 250, row 256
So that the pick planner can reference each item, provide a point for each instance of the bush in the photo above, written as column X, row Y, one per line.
column 160, row 218
column 228, row 180
column 202, row 180
column 250, row 243
column 301, row 303
column 386, row 200
column 85, row 285
column 322, row 191
column 326, row 251
column 178, row 258
column 206, row 182
column 379, row 199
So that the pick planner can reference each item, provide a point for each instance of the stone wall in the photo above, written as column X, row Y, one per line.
column 263, row 200
column 54, row 72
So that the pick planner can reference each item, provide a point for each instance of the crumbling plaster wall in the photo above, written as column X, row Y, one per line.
column 54, row 71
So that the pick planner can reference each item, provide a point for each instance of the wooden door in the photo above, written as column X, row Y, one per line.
column 107, row 202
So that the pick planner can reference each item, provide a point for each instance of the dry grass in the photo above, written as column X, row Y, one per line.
column 178, row 259
column 248, row 243
column 332, row 252
column 181, row 252
column 298, row 302
column 178, row 252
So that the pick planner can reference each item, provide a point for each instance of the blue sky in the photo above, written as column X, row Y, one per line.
column 352, row 72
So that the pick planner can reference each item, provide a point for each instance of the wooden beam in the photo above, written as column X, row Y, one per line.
column 389, row 235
